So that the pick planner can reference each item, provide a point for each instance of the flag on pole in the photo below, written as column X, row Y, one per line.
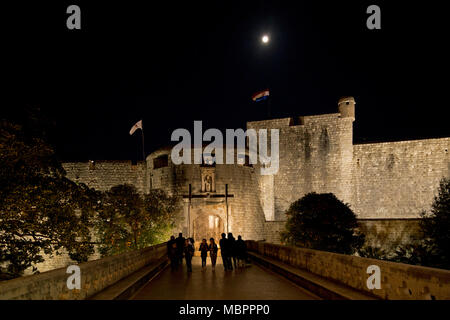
column 138, row 125
column 261, row 95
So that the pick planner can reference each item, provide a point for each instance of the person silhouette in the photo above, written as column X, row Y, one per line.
column 224, row 251
column 180, row 242
column 213, row 252
column 203, row 252
column 172, row 253
column 188, row 254
column 232, row 250
column 241, row 249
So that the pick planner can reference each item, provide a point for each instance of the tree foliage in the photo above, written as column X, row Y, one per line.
column 373, row 252
column 434, row 249
column 436, row 224
column 129, row 221
column 44, row 213
column 41, row 211
column 162, row 211
column 322, row 222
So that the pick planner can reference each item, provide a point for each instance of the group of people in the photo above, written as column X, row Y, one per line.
column 232, row 251
column 179, row 247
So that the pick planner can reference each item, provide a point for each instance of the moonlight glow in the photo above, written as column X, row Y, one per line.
column 265, row 39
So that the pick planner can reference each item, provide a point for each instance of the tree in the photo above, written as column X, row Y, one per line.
column 434, row 249
column 41, row 211
column 130, row 221
column 161, row 210
column 436, row 224
column 119, row 219
column 322, row 222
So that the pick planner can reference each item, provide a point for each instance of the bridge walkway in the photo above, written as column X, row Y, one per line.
column 250, row 283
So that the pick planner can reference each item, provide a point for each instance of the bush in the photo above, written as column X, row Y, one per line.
column 373, row 253
column 322, row 222
column 422, row 253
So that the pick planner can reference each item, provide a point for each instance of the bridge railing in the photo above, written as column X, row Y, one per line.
column 398, row 280
column 95, row 276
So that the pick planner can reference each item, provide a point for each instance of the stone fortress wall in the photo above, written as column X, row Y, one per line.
column 104, row 174
column 388, row 180
column 398, row 179
column 386, row 184
column 315, row 154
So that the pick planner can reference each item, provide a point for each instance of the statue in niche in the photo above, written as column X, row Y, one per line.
column 208, row 179
column 207, row 182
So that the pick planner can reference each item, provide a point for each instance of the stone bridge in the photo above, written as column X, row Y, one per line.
column 276, row 272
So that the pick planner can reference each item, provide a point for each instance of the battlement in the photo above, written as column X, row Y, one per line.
column 293, row 121
column 346, row 107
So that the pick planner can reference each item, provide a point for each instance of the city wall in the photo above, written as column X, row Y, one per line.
column 104, row 174
column 315, row 155
column 398, row 179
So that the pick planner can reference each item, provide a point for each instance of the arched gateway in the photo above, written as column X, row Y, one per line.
column 207, row 226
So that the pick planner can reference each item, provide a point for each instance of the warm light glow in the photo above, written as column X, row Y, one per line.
column 265, row 39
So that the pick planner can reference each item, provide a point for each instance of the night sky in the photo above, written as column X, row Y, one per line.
column 170, row 63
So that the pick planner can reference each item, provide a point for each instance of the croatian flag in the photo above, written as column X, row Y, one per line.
column 261, row 95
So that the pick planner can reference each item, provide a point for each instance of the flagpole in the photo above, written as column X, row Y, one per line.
column 143, row 144
column 140, row 125
column 143, row 157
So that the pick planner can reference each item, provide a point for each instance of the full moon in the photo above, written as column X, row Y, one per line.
column 265, row 38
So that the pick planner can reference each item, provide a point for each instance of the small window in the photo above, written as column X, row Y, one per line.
column 161, row 161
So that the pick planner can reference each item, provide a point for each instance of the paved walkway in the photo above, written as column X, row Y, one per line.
column 250, row 283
